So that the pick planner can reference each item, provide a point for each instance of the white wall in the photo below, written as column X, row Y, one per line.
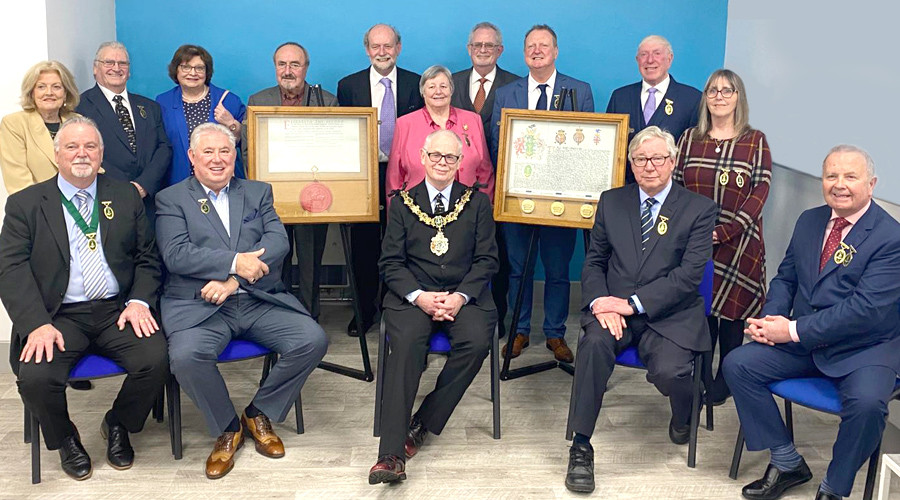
column 75, row 29
column 819, row 74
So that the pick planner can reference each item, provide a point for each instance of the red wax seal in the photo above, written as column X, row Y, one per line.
column 316, row 197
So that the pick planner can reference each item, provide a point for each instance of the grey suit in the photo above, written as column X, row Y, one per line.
column 196, row 249
column 309, row 239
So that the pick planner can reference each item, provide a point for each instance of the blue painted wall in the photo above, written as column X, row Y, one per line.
column 597, row 39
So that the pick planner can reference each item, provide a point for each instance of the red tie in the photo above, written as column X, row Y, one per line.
column 480, row 96
column 833, row 241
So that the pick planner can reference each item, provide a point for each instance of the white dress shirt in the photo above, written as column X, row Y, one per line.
column 534, row 93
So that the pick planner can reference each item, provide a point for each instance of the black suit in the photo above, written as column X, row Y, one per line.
column 665, row 277
column 34, row 275
column 355, row 90
column 150, row 163
column 407, row 264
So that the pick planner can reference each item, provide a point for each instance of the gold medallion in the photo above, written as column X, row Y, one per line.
column 527, row 206
column 587, row 211
column 203, row 206
column 740, row 180
column 669, row 109
column 107, row 210
column 846, row 254
column 557, row 208
column 92, row 241
column 839, row 256
column 440, row 244
column 662, row 228
column 723, row 178
column 142, row 111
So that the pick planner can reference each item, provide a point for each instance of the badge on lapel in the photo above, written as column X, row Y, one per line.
column 663, row 227
column 844, row 255
column 203, row 206
column 669, row 109
column 108, row 210
column 142, row 111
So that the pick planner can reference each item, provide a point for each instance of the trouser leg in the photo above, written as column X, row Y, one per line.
column 669, row 368
column 557, row 247
column 517, row 239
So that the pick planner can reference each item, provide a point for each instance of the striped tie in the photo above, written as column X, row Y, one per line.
column 646, row 222
column 91, row 266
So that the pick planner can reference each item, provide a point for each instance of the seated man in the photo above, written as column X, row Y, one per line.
column 437, row 259
column 831, row 311
column 219, row 237
column 649, row 247
column 73, row 280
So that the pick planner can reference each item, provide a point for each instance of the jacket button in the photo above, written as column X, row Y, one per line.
column 443, row 266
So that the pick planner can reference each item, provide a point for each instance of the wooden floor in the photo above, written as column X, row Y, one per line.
column 634, row 457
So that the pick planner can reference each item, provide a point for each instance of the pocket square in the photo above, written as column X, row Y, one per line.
column 252, row 215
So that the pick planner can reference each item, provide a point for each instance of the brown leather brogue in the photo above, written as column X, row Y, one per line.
column 259, row 428
column 560, row 350
column 519, row 343
column 387, row 469
column 221, row 460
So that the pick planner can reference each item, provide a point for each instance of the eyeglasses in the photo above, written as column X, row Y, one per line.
column 656, row 161
column 484, row 45
column 436, row 157
column 284, row 64
column 726, row 92
column 110, row 63
column 200, row 69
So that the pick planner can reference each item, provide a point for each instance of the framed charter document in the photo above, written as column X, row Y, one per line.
column 552, row 166
column 322, row 163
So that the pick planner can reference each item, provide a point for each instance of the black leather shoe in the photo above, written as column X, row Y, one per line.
column 415, row 437
column 775, row 482
column 81, row 385
column 720, row 392
column 119, row 453
column 352, row 329
column 679, row 435
column 580, row 473
column 821, row 495
column 74, row 458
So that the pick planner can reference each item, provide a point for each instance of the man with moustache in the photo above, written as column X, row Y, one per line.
column 394, row 92
column 79, row 271
column 291, row 64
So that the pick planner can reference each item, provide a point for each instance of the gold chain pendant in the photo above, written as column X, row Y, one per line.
column 440, row 244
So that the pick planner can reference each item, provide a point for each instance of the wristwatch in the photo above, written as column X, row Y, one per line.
column 634, row 307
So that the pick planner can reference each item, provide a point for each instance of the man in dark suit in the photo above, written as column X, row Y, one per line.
column 831, row 311
column 540, row 90
column 137, row 148
column 649, row 247
column 657, row 99
column 366, row 88
column 219, row 237
column 73, row 280
column 437, row 270
column 291, row 64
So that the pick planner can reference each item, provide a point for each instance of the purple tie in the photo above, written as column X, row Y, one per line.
column 650, row 107
column 388, row 118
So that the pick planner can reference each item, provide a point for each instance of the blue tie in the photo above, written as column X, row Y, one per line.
column 542, row 100
column 646, row 222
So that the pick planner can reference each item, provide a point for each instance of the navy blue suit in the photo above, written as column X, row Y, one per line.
column 556, row 243
column 848, row 323
column 685, row 103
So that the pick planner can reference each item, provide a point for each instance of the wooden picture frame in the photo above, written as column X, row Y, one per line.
column 552, row 166
column 322, row 162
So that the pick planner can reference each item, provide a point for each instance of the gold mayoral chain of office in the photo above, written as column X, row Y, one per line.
column 439, row 244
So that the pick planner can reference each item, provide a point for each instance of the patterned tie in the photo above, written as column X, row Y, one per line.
column 439, row 205
column 542, row 100
column 646, row 221
column 125, row 120
column 833, row 241
column 91, row 266
column 388, row 118
column 480, row 96
column 650, row 106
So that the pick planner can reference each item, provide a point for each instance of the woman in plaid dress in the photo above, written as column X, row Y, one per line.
column 726, row 160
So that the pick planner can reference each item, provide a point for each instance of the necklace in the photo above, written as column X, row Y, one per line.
column 194, row 100
column 439, row 243
column 719, row 144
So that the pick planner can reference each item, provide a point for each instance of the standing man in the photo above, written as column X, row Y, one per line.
column 540, row 90
column 639, row 286
column 137, row 148
column 79, row 270
column 475, row 90
column 657, row 99
column 394, row 92
column 291, row 64
column 219, row 237
column 430, row 287
column 831, row 312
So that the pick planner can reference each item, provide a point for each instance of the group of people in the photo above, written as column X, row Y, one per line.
column 82, row 255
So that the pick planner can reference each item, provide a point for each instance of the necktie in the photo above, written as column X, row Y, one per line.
column 480, row 96
column 833, row 241
column 388, row 118
column 650, row 106
column 439, row 205
column 125, row 120
column 646, row 221
column 542, row 100
column 91, row 267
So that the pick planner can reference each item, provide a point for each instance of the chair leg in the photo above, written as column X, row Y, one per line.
column 695, row 411
column 708, row 381
column 35, row 450
column 27, row 424
column 736, row 458
column 174, row 391
column 268, row 363
column 870, row 474
column 789, row 418
column 495, row 380
column 379, row 378
column 298, row 412
column 159, row 407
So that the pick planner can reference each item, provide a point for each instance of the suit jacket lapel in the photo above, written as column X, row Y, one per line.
column 51, row 206
column 666, row 212
column 36, row 123
column 98, row 100
column 104, row 222
column 420, row 196
column 858, row 233
column 235, row 210
column 140, row 124
column 198, row 193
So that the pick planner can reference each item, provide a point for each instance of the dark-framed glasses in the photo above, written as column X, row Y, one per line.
column 436, row 157
column 727, row 92
column 656, row 161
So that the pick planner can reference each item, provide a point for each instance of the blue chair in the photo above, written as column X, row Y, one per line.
column 236, row 350
column 89, row 367
column 630, row 358
column 439, row 343
column 816, row 393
